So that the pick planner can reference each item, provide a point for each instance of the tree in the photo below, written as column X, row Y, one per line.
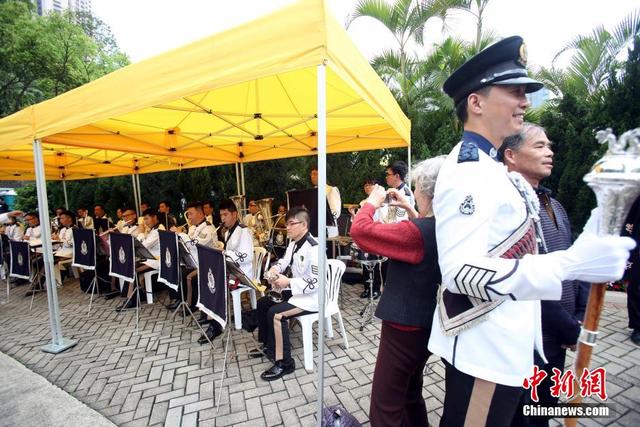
column 594, row 60
column 43, row 56
column 405, row 19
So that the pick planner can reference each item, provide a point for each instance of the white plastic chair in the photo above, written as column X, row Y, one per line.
column 335, row 270
column 236, row 294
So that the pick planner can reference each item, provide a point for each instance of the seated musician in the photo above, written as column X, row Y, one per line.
column 238, row 245
column 200, row 232
column 33, row 232
column 129, row 226
column 150, row 240
column 13, row 230
column 67, row 222
column 299, row 295
column 83, row 219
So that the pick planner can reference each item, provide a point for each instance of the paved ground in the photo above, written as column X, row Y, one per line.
column 133, row 382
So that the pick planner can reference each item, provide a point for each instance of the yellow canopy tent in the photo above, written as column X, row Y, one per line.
column 289, row 84
column 238, row 96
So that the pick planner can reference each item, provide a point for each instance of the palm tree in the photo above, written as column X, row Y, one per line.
column 594, row 59
column 405, row 19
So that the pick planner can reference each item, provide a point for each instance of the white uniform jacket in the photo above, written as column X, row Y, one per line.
column 14, row 232
column 202, row 234
column 33, row 233
column 151, row 240
column 238, row 245
column 477, row 207
column 394, row 214
column 132, row 229
column 86, row 222
column 302, row 256
column 65, row 235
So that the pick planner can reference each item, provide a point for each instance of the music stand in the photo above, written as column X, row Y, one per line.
column 84, row 256
column 122, row 264
column 172, row 249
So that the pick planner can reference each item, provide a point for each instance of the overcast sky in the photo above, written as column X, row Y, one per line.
column 144, row 28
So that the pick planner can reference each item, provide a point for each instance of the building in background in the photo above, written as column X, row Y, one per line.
column 48, row 6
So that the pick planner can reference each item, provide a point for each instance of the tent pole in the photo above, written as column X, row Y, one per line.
column 244, row 191
column 322, row 226
column 64, row 189
column 138, row 188
column 58, row 342
column 135, row 194
column 238, row 180
column 409, row 165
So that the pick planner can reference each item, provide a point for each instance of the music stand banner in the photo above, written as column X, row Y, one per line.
column 169, row 260
column 20, row 260
column 84, row 249
column 212, row 283
column 122, row 263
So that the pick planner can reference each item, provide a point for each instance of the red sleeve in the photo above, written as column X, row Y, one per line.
column 401, row 241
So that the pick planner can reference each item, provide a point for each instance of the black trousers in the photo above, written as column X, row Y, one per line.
column 273, row 325
column 468, row 398
column 633, row 303
column 396, row 393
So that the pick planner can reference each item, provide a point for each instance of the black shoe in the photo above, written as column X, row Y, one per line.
column 376, row 294
column 365, row 294
column 111, row 295
column 635, row 336
column 212, row 332
column 258, row 352
column 203, row 319
column 279, row 370
column 173, row 305
column 127, row 305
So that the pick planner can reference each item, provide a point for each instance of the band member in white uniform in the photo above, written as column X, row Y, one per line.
column 200, row 232
column 296, row 276
column 83, row 219
column 396, row 173
column 333, row 200
column 151, row 241
column 64, row 253
column 33, row 232
column 487, row 323
column 238, row 245
column 13, row 229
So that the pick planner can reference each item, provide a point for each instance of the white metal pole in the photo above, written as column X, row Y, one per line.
column 244, row 190
column 238, row 180
column 58, row 343
column 322, row 226
column 64, row 189
column 408, row 180
column 135, row 194
column 138, row 188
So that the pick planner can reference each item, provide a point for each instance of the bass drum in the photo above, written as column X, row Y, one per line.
column 358, row 255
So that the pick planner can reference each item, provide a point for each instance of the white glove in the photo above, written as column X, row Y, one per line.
column 597, row 259
column 592, row 225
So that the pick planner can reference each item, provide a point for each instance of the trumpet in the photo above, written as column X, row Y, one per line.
column 274, row 294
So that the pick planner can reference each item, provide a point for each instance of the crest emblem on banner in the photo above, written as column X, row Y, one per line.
column 122, row 257
column 167, row 258
column 211, row 282
column 83, row 248
column 20, row 260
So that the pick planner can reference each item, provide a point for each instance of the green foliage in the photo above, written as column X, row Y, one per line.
column 44, row 56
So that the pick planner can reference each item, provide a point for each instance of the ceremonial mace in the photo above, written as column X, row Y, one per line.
column 615, row 179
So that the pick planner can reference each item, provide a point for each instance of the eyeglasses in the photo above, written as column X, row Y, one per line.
column 292, row 223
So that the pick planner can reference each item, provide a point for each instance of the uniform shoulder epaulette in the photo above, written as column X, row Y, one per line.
column 311, row 240
column 468, row 152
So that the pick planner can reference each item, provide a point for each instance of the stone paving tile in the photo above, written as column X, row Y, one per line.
column 161, row 376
